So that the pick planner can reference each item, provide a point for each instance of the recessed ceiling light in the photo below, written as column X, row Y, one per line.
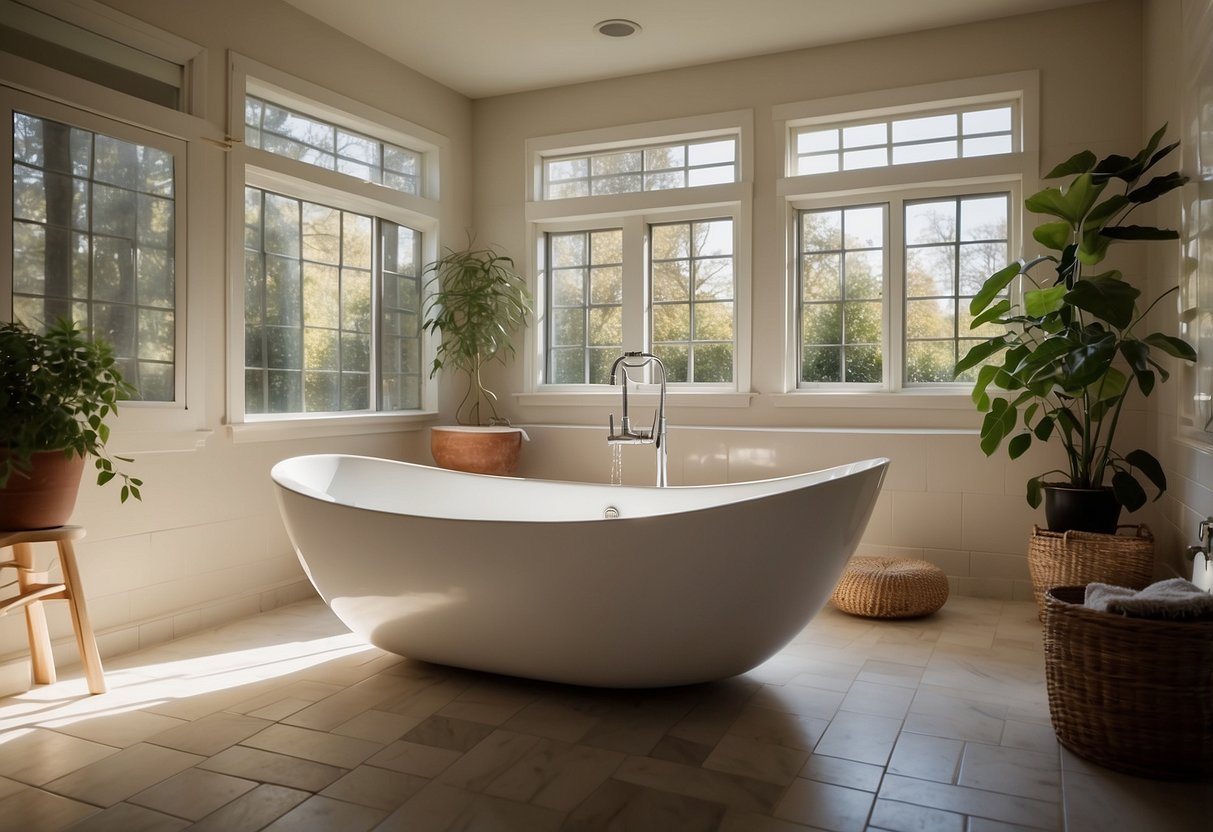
column 617, row 28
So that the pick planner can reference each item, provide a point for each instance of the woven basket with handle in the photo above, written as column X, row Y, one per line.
column 1079, row 558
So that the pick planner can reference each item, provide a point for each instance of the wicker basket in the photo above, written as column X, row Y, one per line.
column 1131, row 694
column 1079, row 558
column 890, row 588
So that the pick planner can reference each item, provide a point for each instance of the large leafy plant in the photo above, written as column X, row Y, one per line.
column 1071, row 353
column 477, row 301
column 56, row 392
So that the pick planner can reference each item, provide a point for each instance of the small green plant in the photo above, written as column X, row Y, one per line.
column 1070, row 354
column 56, row 391
column 476, row 301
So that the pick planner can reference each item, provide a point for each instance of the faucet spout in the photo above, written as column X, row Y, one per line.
column 629, row 435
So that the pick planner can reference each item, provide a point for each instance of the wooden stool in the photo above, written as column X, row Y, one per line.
column 33, row 589
column 890, row 588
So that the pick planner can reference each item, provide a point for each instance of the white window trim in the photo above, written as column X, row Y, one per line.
column 140, row 426
column 635, row 211
column 1017, row 172
column 262, row 169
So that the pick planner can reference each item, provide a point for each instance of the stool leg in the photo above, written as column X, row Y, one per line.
column 42, row 659
column 89, row 657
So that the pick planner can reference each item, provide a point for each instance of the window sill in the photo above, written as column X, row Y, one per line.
column 936, row 400
column 276, row 429
column 605, row 398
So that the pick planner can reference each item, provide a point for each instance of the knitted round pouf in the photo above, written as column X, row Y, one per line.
column 890, row 588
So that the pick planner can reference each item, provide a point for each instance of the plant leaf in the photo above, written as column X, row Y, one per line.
column 1146, row 463
column 1054, row 235
column 1019, row 443
column 1044, row 428
column 1034, row 492
column 992, row 314
column 1128, row 491
column 1080, row 162
column 1139, row 232
column 1176, row 347
column 1107, row 298
column 1040, row 302
column 993, row 287
column 1156, row 187
column 980, row 352
column 1137, row 355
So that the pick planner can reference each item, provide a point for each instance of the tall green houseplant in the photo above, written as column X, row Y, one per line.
column 476, row 300
column 1071, row 353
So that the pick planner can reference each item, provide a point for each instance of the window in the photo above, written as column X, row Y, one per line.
column 338, row 224
column 95, row 239
column 310, row 281
column 687, row 164
column 691, row 274
column 959, row 134
column 885, row 265
column 641, row 238
column 296, row 136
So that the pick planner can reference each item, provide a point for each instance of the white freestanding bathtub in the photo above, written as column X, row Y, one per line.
column 612, row 586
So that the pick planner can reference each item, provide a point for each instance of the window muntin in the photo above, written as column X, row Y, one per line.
column 978, row 130
column 314, row 277
column 842, row 266
column 585, row 305
column 688, row 164
column 286, row 132
column 94, row 239
column 951, row 246
column 693, row 287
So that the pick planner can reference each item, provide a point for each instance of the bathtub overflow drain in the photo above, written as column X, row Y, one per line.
column 611, row 513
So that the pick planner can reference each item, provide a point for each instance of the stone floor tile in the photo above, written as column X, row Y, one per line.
column 490, row 759
column 30, row 809
column 210, row 734
column 120, row 730
column 36, row 756
column 825, row 806
column 268, row 767
column 752, row 758
column 193, row 794
column 379, row 726
column 413, row 758
column 125, row 817
column 318, row 746
column 441, row 807
column 378, row 788
column 1011, row 771
column 747, row 794
column 556, row 775
column 926, row 757
column 324, row 814
column 906, row 817
column 252, row 811
column 626, row 806
column 448, row 732
column 860, row 737
column 849, row 773
column 128, row 772
column 968, row 801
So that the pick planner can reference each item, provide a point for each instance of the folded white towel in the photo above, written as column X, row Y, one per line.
column 1173, row 599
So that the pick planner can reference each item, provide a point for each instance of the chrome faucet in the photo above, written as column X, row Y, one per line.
column 629, row 435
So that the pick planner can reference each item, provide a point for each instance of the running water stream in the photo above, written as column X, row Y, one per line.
column 616, row 465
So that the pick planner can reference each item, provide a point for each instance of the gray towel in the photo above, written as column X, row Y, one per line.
column 1173, row 599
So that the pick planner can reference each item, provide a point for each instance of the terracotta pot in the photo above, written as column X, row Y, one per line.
column 45, row 498
column 477, row 450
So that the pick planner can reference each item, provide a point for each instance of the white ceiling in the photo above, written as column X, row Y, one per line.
column 491, row 47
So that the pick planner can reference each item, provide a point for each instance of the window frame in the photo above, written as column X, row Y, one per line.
column 634, row 212
column 299, row 180
column 1015, row 172
column 141, row 426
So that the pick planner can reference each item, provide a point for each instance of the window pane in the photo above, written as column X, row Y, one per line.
column 821, row 323
column 968, row 242
column 821, row 365
column 671, row 322
column 857, row 159
column 821, row 276
column 94, row 240
column 997, row 120
column 316, row 313
column 816, row 141
column 821, row 230
column 825, row 163
column 928, row 152
column 864, row 274
column 710, row 153
column 928, row 127
column 865, row 135
column 864, row 227
column 987, row 146
column 713, row 363
column 632, row 170
column 585, row 293
column 285, row 132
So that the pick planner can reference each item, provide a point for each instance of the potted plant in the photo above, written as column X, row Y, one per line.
column 476, row 301
column 56, row 392
column 1070, row 353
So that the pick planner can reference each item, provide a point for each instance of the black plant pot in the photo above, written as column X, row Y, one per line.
column 1081, row 509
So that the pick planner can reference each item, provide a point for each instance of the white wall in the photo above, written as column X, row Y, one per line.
column 1171, row 29
column 206, row 545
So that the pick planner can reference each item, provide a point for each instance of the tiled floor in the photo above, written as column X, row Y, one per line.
column 286, row 722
